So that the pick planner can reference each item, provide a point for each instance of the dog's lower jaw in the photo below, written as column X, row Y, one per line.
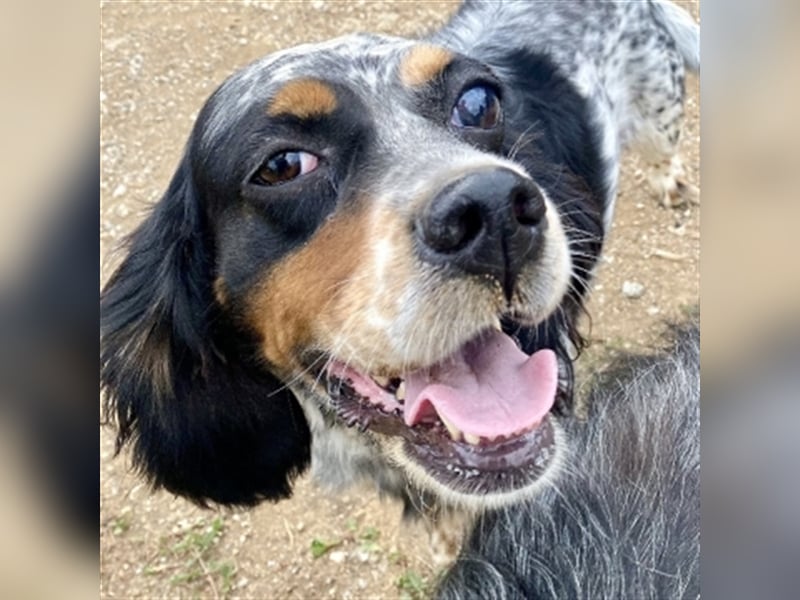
column 343, row 456
column 478, row 500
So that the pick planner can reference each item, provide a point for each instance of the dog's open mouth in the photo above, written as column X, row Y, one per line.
column 477, row 420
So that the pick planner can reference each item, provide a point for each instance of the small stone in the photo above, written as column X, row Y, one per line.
column 632, row 289
column 337, row 556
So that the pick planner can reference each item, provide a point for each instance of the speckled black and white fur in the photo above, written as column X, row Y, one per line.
column 234, row 289
column 624, row 520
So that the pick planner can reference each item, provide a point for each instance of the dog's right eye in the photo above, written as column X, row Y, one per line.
column 284, row 167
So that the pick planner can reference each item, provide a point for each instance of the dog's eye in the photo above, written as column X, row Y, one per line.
column 285, row 166
column 477, row 107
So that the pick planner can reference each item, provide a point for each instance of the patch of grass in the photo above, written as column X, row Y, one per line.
column 226, row 571
column 368, row 540
column 121, row 525
column 413, row 586
column 199, row 542
column 370, row 534
column 319, row 547
column 352, row 525
column 192, row 562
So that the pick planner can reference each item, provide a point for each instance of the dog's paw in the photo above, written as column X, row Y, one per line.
column 446, row 535
column 669, row 184
column 679, row 194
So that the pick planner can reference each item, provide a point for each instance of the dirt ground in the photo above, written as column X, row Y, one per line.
column 159, row 63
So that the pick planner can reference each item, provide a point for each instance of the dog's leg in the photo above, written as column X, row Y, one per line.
column 654, row 121
column 660, row 120
column 667, row 176
column 446, row 534
column 446, row 527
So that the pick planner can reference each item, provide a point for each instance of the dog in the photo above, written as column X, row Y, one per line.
column 374, row 253
column 624, row 520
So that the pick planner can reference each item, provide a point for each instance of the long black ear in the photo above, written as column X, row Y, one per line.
column 205, row 420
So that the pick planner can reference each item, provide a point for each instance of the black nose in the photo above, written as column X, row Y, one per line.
column 486, row 223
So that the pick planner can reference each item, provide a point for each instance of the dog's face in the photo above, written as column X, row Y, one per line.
column 385, row 257
column 393, row 242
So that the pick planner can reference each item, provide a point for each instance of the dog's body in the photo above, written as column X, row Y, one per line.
column 375, row 250
column 624, row 520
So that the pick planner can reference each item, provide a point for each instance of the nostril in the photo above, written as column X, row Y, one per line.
column 455, row 228
column 528, row 205
column 471, row 224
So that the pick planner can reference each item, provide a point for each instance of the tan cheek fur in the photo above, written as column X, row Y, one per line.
column 369, row 304
column 397, row 313
column 297, row 297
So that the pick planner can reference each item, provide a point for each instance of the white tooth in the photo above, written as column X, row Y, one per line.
column 472, row 439
column 454, row 431
column 496, row 325
column 381, row 381
column 400, row 393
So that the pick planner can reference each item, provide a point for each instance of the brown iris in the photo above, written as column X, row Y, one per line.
column 284, row 167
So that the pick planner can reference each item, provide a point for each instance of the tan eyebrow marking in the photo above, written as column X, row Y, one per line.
column 422, row 63
column 303, row 98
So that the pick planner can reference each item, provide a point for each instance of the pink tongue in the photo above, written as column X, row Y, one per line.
column 487, row 388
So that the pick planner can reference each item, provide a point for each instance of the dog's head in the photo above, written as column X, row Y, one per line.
column 370, row 226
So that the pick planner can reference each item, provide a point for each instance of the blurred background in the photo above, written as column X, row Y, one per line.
column 49, row 165
column 49, row 281
column 750, row 300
